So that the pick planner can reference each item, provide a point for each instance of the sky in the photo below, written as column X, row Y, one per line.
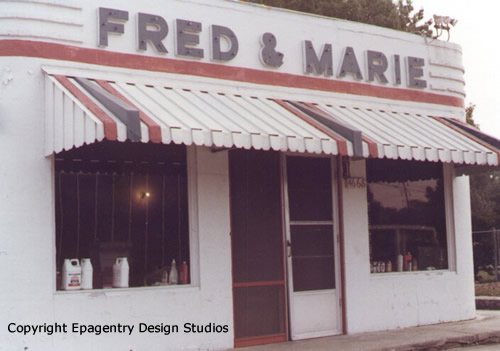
column 477, row 32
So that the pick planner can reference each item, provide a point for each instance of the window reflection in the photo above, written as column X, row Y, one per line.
column 406, row 215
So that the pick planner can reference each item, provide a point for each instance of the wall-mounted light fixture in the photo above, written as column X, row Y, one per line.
column 145, row 195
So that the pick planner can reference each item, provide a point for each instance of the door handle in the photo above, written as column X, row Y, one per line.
column 289, row 248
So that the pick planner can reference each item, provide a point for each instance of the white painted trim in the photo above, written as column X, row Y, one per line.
column 51, row 3
column 194, row 246
column 449, row 204
column 53, row 223
column 336, row 205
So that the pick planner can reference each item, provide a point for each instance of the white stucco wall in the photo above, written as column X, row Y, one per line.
column 27, row 245
column 398, row 300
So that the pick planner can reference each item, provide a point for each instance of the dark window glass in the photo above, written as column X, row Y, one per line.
column 310, row 203
column 123, row 199
column 309, row 189
column 312, row 257
column 407, row 219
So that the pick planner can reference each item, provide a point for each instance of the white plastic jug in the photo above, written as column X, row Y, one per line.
column 173, row 277
column 120, row 273
column 87, row 274
column 71, row 274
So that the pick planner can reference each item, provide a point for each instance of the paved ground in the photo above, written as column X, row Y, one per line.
column 494, row 347
column 446, row 336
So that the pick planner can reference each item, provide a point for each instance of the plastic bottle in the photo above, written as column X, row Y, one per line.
column 407, row 262
column 184, row 273
column 400, row 263
column 71, row 274
column 388, row 266
column 415, row 264
column 120, row 273
column 164, row 276
column 87, row 273
column 173, row 277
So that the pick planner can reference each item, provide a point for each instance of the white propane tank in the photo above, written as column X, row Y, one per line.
column 71, row 274
column 120, row 273
column 87, row 274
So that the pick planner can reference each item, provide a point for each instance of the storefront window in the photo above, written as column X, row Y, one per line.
column 124, row 207
column 406, row 211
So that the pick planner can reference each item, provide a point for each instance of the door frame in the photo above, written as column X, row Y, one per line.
column 336, row 188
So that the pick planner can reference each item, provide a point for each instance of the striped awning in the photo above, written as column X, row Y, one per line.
column 170, row 115
column 82, row 111
column 410, row 136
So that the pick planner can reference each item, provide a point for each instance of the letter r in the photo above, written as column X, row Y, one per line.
column 154, row 36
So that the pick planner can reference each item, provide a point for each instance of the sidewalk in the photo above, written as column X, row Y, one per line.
column 484, row 329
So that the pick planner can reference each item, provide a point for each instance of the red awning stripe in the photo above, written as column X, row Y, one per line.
column 110, row 126
column 341, row 143
column 154, row 128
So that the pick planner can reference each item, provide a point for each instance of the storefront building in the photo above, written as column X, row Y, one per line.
column 306, row 174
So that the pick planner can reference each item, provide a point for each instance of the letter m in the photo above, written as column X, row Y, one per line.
column 323, row 65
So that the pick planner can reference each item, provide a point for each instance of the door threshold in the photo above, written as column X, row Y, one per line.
column 318, row 334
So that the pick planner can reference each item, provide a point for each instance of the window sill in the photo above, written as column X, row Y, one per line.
column 436, row 272
column 133, row 290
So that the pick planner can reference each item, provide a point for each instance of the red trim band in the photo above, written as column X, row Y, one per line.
column 27, row 48
column 110, row 127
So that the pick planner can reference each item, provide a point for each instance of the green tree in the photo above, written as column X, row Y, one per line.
column 485, row 191
column 400, row 15
column 485, row 200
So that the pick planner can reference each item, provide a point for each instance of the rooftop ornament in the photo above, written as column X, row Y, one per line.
column 443, row 23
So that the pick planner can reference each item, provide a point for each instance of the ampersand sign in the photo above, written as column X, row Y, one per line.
column 268, row 54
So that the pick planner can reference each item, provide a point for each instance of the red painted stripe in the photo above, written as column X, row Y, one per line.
column 110, row 127
column 372, row 146
column 341, row 143
column 154, row 128
column 62, row 52
column 263, row 283
column 443, row 120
